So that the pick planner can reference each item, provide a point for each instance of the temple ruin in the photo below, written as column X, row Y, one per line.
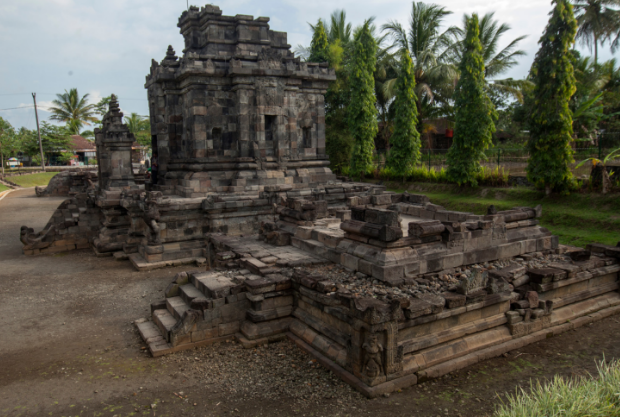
column 245, row 192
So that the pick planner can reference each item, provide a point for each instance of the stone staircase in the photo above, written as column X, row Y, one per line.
column 253, row 304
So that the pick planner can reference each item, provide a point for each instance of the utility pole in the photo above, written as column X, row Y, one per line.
column 36, row 113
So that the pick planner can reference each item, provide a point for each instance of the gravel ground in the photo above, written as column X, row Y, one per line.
column 278, row 370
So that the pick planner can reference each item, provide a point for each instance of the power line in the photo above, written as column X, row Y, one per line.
column 23, row 94
column 14, row 108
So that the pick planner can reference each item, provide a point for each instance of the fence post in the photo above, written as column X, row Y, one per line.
column 429, row 159
column 600, row 148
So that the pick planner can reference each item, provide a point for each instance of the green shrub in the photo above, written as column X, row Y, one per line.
column 495, row 177
column 592, row 397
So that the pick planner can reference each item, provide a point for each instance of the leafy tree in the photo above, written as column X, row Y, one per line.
column 319, row 48
column 475, row 114
column 496, row 61
column 362, row 113
column 74, row 110
column 611, row 95
column 598, row 22
column 65, row 157
column 550, row 119
column 338, row 138
column 54, row 140
column 337, row 30
column 587, row 104
column 7, row 141
column 405, row 149
column 386, row 70
column 140, row 127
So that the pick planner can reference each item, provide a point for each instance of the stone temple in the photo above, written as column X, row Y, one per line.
column 245, row 192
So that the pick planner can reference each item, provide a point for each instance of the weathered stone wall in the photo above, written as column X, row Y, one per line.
column 72, row 226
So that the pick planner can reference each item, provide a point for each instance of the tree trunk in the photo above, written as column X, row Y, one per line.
column 606, row 181
column 595, row 49
column 547, row 190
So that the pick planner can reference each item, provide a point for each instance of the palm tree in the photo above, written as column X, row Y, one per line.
column 140, row 127
column 598, row 22
column 587, row 104
column 74, row 110
column 496, row 61
column 430, row 50
column 338, row 28
column 339, row 32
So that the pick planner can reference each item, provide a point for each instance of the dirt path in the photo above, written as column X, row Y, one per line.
column 68, row 348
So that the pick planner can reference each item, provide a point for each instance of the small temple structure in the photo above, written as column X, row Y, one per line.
column 244, row 190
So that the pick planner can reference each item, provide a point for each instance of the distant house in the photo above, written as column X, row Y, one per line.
column 437, row 133
column 83, row 148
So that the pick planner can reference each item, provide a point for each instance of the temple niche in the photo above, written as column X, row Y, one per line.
column 237, row 111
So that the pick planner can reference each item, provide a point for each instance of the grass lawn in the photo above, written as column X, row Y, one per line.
column 578, row 219
column 32, row 180
column 3, row 187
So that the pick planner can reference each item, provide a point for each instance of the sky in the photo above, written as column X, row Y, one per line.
column 102, row 47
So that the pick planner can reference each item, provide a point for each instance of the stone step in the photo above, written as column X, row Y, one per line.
column 312, row 246
column 176, row 306
column 266, row 315
column 164, row 321
column 189, row 292
column 152, row 337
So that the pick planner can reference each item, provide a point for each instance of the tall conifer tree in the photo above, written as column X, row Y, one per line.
column 475, row 113
column 319, row 47
column 405, row 141
column 362, row 112
column 550, row 122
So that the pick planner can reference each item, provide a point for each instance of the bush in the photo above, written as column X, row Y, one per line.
column 569, row 397
column 65, row 157
column 486, row 176
column 493, row 177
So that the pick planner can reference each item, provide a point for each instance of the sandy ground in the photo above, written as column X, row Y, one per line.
column 68, row 348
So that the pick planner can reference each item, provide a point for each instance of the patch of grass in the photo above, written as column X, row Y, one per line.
column 33, row 180
column 578, row 219
column 3, row 187
column 569, row 397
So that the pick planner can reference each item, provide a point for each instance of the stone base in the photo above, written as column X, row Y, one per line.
column 370, row 392
column 142, row 265
column 202, row 308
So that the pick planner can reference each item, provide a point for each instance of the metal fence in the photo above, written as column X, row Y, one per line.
column 514, row 160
